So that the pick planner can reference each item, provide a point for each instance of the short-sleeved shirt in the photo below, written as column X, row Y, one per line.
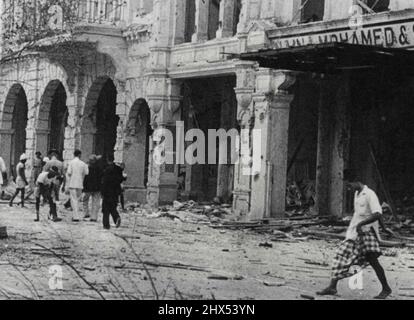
column 43, row 179
column 366, row 203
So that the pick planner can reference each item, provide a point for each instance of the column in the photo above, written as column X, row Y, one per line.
column 42, row 140
column 323, row 148
column 180, row 21
column 333, row 145
column 201, row 21
column 121, row 112
column 6, row 136
column 250, row 10
column 340, row 148
column 69, row 144
column 280, row 109
column 164, row 101
column 224, row 170
column 226, row 19
column 245, row 72
column 272, row 106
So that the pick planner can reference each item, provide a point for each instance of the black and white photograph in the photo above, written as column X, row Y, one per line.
column 217, row 152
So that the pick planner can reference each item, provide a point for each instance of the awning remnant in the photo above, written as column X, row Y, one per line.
column 332, row 58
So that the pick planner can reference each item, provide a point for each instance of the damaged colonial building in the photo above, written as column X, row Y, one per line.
column 329, row 83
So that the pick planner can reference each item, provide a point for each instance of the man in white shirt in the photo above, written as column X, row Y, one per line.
column 21, row 181
column 44, row 184
column 361, row 245
column 55, row 162
column 77, row 170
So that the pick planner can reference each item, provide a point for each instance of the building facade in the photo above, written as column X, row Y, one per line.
column 102, row 75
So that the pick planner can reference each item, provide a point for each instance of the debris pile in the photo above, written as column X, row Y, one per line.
column 300, row 198
column 188, row 212
column 304, row 228
column 293, row 228
column 10, row 189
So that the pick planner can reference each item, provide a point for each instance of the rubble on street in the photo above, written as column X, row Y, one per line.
column 167, row 254
column 296, row 227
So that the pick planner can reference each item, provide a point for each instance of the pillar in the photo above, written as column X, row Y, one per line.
column 226, row 19
column 333, row 145
column 69, row 144
column 5, row 146
column 164, row 101
column 272, row 106
column 121, row 112
column 225, row 170
column 42, row 140
column 245, row 72
column 201, row 21
column 323, row 148
column 180, row 21
column 340, row 148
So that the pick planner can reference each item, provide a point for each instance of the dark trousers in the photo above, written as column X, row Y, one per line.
column 55, row 189
column 109, row 207
column 45, row 192
column 122, row 200
column 21, row 190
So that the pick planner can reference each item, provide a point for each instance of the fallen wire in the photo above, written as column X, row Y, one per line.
column 143, row 264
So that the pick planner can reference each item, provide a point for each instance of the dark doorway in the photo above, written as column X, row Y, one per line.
column 106, row 120
column 58, row 119
column 19, row 124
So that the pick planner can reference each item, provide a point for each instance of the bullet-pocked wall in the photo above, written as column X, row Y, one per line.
column 136, row 151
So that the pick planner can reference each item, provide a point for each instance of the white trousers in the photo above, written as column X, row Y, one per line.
column 75, row 197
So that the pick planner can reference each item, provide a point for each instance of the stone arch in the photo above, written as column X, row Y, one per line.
column 136, row 150
column 13, row 124
column 99, row 120
column 52, row 118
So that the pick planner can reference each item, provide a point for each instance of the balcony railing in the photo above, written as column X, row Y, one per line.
column 102, row 11
column 26, row 20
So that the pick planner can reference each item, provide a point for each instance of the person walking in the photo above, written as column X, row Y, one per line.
column 37, row 165
column 3, row 176
column 92, row 190
column 44, row 185
column 361, row 245
column 55, row 162
column 110, row 190
column 21, row 181
column 65, row 190
column 77, row 170
column 124, row 178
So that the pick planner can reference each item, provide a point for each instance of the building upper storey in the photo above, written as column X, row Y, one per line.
column 169, row 23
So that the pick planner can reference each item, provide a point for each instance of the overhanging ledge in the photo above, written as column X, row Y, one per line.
column 333, row 58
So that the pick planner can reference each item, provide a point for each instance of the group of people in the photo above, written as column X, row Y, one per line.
column 360, row 247
column 99, row 181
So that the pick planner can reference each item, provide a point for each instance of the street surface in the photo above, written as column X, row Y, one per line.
column 150, row 258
